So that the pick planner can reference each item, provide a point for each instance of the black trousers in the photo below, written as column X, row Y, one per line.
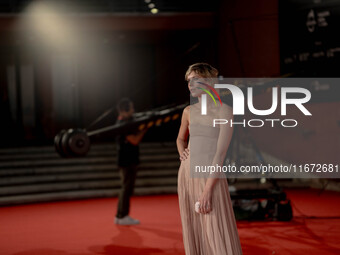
column 128, row 177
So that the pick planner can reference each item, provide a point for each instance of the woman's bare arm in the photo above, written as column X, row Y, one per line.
column 183, row 133
column 223, row 142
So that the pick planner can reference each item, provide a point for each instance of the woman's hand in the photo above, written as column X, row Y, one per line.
column 205, row 202
column 185, row 154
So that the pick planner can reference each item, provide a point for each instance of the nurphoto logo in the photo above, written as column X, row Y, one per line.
column 239, row 104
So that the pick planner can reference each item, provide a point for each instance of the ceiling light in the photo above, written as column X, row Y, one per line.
column 154, row 10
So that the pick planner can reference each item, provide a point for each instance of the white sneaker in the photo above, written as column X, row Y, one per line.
column 127, row 220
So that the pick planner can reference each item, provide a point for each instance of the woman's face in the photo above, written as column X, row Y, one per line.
column 193, row 78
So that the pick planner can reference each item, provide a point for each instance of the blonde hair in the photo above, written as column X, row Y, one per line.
column 203, row 69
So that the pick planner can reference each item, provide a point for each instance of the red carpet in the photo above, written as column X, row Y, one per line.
column 86, row 227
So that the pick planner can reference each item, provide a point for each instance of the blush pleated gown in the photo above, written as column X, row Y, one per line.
column 214, row 233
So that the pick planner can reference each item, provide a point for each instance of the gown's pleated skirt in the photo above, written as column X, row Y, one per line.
column 214, row 233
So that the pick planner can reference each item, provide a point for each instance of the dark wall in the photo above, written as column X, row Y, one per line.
column 72, row 89
column 140, row 57
column 249, row 38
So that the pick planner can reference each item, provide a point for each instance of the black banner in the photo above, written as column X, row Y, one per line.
column 309, row 38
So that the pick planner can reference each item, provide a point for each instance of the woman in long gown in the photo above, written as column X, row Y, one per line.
column 212, row 230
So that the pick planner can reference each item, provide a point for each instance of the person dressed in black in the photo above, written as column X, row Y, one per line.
column 128, row 159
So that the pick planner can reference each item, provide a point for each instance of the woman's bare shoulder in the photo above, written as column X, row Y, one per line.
column 226, row 107
column 186, row 112
column 186, row 109
column 225, row 110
